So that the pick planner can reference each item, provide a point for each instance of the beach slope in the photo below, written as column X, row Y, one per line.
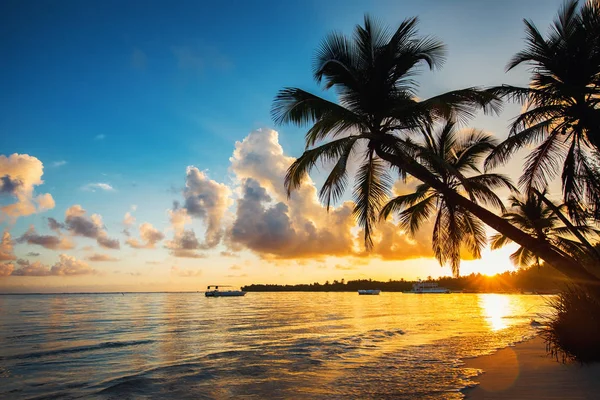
column 526, row 372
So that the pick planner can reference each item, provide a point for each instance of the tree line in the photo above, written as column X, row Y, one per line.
column 539, row 280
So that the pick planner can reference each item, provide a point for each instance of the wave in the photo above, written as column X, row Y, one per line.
column 78, row 349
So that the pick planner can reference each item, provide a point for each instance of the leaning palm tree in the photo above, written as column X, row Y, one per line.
column 532, row 214
column 373, row 74
column 451, row 157
column 562, row 113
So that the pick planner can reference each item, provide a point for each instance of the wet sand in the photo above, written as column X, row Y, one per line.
column 526, row 372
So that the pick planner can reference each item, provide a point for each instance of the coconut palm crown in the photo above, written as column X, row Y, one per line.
column 373, row 74
column 561, row 114
column 452, row 157
column 533, row 215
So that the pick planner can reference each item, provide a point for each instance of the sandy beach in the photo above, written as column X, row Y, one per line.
column 526, row 372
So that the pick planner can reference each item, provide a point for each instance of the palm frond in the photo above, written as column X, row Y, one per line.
column 329, row 152
column 499, row 240
column 371, row 190
column 296, row 106
column 334, row 186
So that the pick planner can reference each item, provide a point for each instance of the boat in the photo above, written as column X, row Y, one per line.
column 216, row 292
column 372, row 292
column 427, row 287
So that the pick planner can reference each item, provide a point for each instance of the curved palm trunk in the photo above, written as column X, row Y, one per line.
column 544, row 250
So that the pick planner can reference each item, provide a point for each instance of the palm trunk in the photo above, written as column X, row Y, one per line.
column 565, row 265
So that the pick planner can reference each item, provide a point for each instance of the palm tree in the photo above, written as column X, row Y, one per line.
column 373, row 74
column 561, row 111
column 450, row 157
column 533, row 215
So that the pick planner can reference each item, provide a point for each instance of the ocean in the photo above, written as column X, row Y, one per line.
column 263, row 345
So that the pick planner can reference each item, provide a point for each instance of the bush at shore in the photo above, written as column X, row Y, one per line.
column 574, row 329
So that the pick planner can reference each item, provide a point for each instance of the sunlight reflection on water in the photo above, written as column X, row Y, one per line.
column 276, row 345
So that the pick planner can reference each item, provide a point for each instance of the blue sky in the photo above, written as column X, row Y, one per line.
column 131, row 93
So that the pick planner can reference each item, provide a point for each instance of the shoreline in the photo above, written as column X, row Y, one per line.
column 525, row 371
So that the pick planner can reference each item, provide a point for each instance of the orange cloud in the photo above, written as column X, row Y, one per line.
column 66, row 266
column 19, row 174
column 149, row 235
column 101, row 258
column 6, row 248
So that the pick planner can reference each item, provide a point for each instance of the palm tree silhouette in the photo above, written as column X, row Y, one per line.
column 561, row 111
column 450, row 156
column 373, row 74
column 533, row 215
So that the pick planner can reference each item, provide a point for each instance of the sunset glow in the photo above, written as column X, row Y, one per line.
column 157, row 166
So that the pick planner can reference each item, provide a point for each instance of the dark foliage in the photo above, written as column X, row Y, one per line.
column 574, row 329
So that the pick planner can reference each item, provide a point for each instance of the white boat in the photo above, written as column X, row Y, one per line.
column 216, row 292
column 427, row 287
column 369, row 291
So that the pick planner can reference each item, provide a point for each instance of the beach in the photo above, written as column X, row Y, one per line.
column 525, row 371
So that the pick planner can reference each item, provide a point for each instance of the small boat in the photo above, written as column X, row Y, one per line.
column 427, row 287
column 216, row 292
column 371, row 292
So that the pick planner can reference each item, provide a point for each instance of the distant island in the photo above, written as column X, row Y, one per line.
column 539, row 280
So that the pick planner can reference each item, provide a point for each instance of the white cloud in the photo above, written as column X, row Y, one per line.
column 57, row 164
column 92, row 187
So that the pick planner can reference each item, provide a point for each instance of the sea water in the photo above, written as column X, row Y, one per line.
column 263, row 345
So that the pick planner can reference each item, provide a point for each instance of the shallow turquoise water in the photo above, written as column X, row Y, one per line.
column 263, row 345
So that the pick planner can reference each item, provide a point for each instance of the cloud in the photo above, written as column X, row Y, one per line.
column 47, row 241
column 101, row 257
column 207, row 200
column 185, row 244
column 6, row 247
column 69, row 265
column 32, row 269
column 6, row 269
column 228, row 254
column 57, row 164
column 149, row 235
column 19, row 174
column 54, row 225
column 129, row 220
column 179, row 218
column 138, row 60
column 45, row 202
column 186, row 273
column 100, row 137
column 9, row 185
column 32, row 254
column 345, row 267
column 79, row 224
column 235, row 267
column 108, row 243
column 92, row 187
column 277, row 227
column 65, row 266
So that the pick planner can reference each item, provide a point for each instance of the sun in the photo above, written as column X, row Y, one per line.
column 492, row 262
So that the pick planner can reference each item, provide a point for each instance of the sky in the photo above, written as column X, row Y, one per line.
column 137, row 151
